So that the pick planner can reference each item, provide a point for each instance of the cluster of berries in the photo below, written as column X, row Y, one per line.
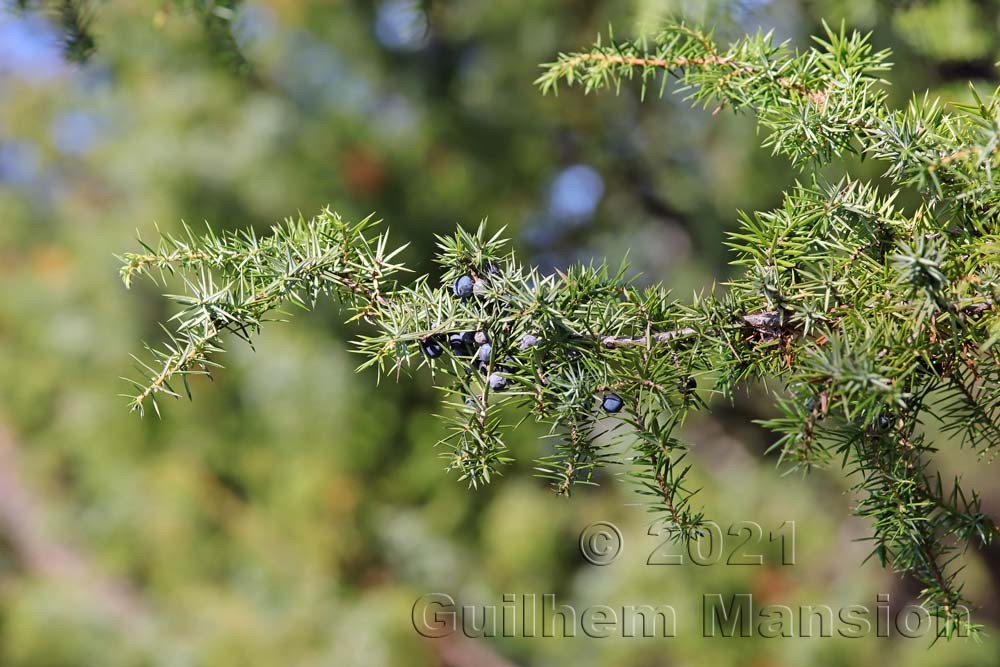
column 476, row 344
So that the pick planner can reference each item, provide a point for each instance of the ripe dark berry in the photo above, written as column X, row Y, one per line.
column 485, row 351
column 456, row 342
column 464, row 287
column 690, row 384
column 480, row 338
column 469, row 338
column 431, row 348
column 884, row 422
column 612, row 403
column 498, row 382
column 471, row 402
column 528, row 341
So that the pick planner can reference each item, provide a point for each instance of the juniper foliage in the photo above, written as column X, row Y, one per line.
column 73, row 18
column 870, row 323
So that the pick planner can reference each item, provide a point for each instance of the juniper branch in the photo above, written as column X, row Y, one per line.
column 868, row 316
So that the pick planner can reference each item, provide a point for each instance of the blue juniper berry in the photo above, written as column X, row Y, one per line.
column 528, row 341
column 463, row 287
column 612, row 403
column 431, row 348
column 485, row 350
column 458, row 345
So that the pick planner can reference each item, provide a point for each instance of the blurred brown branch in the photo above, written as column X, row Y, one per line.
column 23, row 521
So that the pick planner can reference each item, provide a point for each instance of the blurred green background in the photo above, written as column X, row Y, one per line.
column 293, row 513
